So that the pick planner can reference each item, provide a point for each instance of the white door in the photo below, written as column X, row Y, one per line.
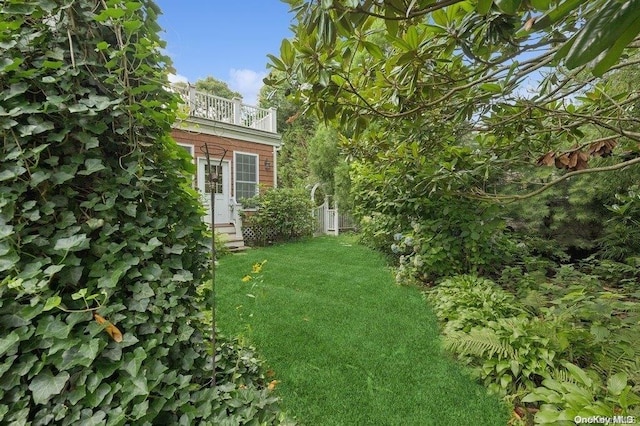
column 222, row 187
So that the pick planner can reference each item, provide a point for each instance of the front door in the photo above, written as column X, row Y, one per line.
column 222, row 187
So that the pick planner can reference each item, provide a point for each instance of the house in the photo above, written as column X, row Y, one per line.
column 243, row 143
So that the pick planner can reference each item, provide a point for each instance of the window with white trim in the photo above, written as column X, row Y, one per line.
column 246, row 171
column 190, row 149
column 186, row 147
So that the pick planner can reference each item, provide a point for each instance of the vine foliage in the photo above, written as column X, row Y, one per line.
column 101, row 244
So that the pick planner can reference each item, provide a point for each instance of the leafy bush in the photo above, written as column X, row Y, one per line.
column 282, row 214
column 621, row 234
column 452, row 238
column 101, row 243
column 62, row 367
column 377, row 231
column 575, row 392
column 221, row 248
column 481, row 326
column 530, row 347
column 465, row 301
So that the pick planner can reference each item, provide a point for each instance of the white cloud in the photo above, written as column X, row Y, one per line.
column 177, row 78
column 247, row 83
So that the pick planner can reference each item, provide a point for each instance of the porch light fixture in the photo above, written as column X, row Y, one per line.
column 267, row 164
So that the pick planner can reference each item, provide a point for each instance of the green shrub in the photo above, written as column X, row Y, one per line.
column 574, row 392
column 50, row 373
column 465, row 301
column 620, row 238
column 481, row 326
column 221, row 248
column 282, row 214
column 453, row 238
column 515, row 347
column 377, row 231
column 508, row 354
column 101, row 242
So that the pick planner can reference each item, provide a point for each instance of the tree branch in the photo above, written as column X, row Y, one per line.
column 481, row 195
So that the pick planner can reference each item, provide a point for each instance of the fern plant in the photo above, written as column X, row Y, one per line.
column 508, row 356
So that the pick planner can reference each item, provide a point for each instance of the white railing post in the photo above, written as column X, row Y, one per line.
column 325, row 225
column 192, row 99
column 336, row 219
column 232, row 111
column 237, row 111
column 236, row 217
column 274, row 120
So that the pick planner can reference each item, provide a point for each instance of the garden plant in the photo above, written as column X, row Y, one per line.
column 102, row 246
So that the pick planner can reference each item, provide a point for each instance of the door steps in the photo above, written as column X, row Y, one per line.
column 228, row 233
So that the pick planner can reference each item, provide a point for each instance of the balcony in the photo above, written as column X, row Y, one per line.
column 232, row 111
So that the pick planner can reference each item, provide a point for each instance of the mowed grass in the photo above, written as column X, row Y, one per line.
column 347, row 344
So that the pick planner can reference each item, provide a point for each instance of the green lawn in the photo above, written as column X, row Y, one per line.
column 348, row 346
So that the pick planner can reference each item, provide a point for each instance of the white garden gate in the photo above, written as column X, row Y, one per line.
column 330, row 220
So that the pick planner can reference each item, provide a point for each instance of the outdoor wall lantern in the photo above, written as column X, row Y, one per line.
column 267, row 164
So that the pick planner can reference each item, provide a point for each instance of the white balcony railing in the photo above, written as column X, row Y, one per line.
column 232, row 111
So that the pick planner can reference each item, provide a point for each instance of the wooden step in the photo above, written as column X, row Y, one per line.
column 228, row 233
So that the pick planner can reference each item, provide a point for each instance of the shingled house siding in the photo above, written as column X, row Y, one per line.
column 197, row 140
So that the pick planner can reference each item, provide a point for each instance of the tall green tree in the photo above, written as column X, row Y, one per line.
column 461, row 103
column 213, row 86
column 450, row 68
column 329, row 166
column 296, row 129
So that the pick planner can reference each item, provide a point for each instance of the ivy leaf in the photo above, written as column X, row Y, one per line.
column 139, row 386
column 15, row 90
column 5, row 231
column 77, row 242
column 92, row 165
column 15, row 8
column 7, row 342
column 78, row 108
column 45, row 385
column 35, row 129
column 11, row 172
column 8, row 261
column 52, row 302
column 88, row 140
column 133, row 364
column 139, row 410
column 151, row 245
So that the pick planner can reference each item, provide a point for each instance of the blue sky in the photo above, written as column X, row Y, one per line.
column 226, row 39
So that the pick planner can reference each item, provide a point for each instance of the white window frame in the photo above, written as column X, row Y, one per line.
column 192, row 151
column 235, row 172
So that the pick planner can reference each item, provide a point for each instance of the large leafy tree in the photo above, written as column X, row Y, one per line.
column 450, row 105
column 216, row 87
column 474, row 88
column 212, row 86
column 296, row 129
